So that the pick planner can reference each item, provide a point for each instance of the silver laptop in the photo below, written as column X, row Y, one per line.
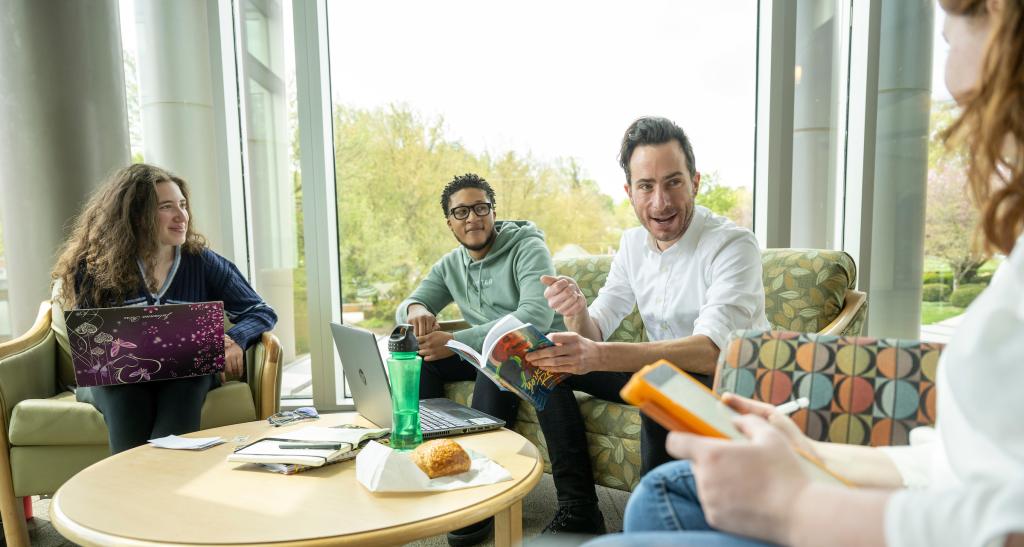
column 371, row 391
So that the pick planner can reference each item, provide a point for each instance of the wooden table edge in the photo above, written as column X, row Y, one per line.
column 404, row 533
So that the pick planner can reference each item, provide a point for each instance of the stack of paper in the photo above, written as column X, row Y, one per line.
column 184, row 443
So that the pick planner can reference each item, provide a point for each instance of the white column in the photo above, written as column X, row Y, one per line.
column 177, row 102
column 901, row 166
column 64, row 129
column 816, row 107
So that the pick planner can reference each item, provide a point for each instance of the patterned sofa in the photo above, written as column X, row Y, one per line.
column 805, row 290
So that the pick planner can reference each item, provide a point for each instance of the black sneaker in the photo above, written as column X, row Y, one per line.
column 473, row 534
column 577, row 519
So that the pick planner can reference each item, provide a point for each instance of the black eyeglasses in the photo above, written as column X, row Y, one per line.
column 462, row 212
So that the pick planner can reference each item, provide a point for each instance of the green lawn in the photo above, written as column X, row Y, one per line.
column 932, row 264
column 933, row 312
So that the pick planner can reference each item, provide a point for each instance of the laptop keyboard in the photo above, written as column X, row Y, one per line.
column 433, row 420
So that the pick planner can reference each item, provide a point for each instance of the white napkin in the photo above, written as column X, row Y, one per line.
column 381, row 469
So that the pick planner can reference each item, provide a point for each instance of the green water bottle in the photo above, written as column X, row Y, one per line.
column 404, row 369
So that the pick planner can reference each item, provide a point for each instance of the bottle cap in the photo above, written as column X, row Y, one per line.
column 402, row 340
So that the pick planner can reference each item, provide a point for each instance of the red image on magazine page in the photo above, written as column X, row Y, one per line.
column 509, row 358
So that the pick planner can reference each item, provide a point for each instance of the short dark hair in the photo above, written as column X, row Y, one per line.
column 461, row 182
column 654, row 130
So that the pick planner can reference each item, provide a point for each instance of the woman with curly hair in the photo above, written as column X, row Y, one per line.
column 964, row 488
column 134, row 245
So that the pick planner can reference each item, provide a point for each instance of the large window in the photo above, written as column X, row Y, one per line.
column 267, row 65
column 954, row 271
column 211, row 96
column 533, row 96
column 819, row 114
column 129, row 53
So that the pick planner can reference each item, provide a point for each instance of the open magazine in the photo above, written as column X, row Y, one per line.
column 504, row 360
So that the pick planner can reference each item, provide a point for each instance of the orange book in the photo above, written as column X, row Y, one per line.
column 679, row 402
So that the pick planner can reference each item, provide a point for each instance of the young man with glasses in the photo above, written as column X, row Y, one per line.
column 494, row 272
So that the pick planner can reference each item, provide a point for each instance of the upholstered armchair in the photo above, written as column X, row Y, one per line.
column 46, row 436
column 812, row 290
column 806, row 290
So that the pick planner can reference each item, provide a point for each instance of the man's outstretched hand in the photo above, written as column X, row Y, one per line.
column 564, row 295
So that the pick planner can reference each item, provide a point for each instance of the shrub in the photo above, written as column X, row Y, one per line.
column 935, row 292
column 945, row 278
column 966, row 294
column 981, row 278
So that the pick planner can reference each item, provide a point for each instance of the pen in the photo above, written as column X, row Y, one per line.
column 311, row 446
column 793, row 406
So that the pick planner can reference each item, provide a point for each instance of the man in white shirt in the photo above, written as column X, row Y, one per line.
column 695, row 277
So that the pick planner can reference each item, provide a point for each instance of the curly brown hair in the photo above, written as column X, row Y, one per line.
column 991, row 125
column 117, row 225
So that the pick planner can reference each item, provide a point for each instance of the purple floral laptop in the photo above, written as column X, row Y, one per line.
column 142, row 344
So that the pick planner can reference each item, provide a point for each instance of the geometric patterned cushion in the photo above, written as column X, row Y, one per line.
column 867, row 391
column 804, row 288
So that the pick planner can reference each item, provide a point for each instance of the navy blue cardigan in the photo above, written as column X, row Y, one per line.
column 203, row 277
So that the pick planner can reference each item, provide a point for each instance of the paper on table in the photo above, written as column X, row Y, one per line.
column 183, row 443
column 381, row 469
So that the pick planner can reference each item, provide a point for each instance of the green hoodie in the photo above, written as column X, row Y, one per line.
column 505, row 281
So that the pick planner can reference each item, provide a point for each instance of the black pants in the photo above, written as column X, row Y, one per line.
column 563, row 429
column 136, row 413
column 486, row 396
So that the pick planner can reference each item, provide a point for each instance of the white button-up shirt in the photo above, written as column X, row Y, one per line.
column 708, row 282
column 974, row 468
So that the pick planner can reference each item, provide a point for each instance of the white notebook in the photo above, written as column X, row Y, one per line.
column 268, row 450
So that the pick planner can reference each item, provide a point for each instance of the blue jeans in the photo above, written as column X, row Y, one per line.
column 664, row 510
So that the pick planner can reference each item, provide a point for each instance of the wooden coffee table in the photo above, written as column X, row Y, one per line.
column 151, row 496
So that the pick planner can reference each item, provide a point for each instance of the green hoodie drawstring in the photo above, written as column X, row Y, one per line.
column 475, row 284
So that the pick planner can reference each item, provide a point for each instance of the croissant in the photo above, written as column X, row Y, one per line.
column 441, row 457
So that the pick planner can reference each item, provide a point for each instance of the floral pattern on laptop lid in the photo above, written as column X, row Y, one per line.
column 141, row 344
